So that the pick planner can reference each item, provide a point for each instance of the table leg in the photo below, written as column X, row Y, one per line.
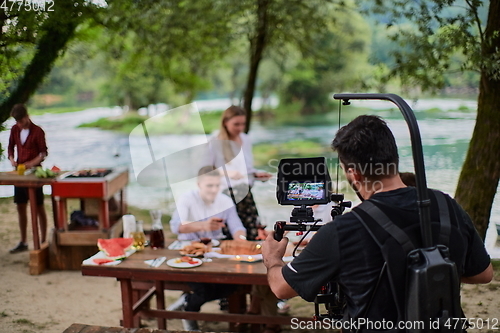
column 34, row 217
column 127, row 303
column 54, row 212
column 104, row 215
column 160, row 303
column 62, row 215
column 237, row 304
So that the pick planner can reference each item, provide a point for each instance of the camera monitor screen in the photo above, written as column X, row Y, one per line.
column 305, row 191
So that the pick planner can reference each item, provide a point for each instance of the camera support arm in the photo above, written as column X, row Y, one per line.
column 418, row 157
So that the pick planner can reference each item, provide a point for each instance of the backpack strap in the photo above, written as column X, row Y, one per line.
column 444, row 218
column 385, row 222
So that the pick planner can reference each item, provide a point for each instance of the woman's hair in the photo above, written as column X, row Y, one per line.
column 229, row 113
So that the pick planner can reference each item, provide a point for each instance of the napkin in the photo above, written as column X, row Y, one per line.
column 102, row 255
column 155, row 262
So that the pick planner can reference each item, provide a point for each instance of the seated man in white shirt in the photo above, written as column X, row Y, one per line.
column 200, row 214
column 204, row 212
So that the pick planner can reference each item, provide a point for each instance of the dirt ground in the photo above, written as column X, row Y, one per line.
column 52, row 301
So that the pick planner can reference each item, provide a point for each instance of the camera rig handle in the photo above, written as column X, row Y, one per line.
column 418, row 157
column 281, row 226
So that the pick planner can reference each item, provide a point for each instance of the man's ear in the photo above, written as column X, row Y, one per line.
column 355, row 174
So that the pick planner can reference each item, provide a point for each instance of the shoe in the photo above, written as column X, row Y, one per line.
column 283, row 308
column 224, row 304
column 190, row 325
column 19, row 248
column 178, row 305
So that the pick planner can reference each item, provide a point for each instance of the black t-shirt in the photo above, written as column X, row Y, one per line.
column 342, row 251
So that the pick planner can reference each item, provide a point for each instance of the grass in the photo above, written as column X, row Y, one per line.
column 54, row 110
column 123, row 124
column 265, row 152
column 176, row 123
column 23, row 321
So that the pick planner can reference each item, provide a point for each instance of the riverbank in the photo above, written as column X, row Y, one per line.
column 51, row 302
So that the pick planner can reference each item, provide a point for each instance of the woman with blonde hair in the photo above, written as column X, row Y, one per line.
column 231, row 152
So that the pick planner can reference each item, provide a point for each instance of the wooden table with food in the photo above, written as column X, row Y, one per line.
column 32, row 182
column 139, row 272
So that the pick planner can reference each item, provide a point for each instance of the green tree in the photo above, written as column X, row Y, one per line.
column 443, row 28
column 336, row 61
column 272, row 24
column 163, row 47
column 30, row 43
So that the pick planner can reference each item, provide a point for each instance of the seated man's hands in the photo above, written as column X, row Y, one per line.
column 234, row 174
column 262, row 234
column 262, row 176
column 212, row 224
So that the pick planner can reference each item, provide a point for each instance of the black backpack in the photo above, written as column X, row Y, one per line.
column 431, row 300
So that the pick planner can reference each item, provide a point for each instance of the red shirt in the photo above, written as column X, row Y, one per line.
column 34, row 145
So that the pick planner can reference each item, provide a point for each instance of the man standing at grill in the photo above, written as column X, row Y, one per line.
column 29, row 141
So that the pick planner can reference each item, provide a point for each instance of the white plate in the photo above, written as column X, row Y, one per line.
column 174, row 264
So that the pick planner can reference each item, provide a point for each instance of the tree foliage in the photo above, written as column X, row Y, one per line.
column 439, row 30
column 335, row 61
column 156, row 48
column 30, row 43
column 443, row 28
column 273, row 24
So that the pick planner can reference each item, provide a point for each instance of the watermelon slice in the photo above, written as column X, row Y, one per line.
column 101, row 261
column 115, row 247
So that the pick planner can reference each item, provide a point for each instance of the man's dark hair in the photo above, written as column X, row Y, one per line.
column 208, row 170
column 19, row 111
column 408, row 178
column 367, row 145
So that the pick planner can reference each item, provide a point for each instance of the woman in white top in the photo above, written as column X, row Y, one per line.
column 231, row 153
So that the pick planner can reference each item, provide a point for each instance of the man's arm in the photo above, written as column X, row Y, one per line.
column 36, row 161
column 273, row 252
column 484, row 277
column 211, row 224
column 277, row 282
column 10, row 149
column 233, row 222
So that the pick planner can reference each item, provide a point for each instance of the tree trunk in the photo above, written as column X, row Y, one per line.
column 480, row 173
column 257, row 45
column 55, row 37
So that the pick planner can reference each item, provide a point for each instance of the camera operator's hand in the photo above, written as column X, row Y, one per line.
column 273, row 251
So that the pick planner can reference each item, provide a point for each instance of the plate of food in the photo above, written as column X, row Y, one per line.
column 184, row 262
column 195, row 249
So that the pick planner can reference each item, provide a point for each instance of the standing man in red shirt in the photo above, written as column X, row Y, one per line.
column 29, row 139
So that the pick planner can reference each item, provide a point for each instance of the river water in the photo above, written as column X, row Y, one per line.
column 445, row 137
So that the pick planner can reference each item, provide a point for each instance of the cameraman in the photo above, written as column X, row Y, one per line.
column 344, row 252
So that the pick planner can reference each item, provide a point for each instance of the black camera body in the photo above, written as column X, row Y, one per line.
column 304, row 182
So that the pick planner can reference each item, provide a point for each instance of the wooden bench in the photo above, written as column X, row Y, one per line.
column 82, row 328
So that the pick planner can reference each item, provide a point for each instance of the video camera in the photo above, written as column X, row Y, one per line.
column 305, row 182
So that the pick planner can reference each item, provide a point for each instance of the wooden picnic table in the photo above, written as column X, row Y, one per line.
column 133, row 274
column 32, row 183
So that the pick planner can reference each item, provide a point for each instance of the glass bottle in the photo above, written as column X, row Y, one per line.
column 139, row 236
column 157, row 239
